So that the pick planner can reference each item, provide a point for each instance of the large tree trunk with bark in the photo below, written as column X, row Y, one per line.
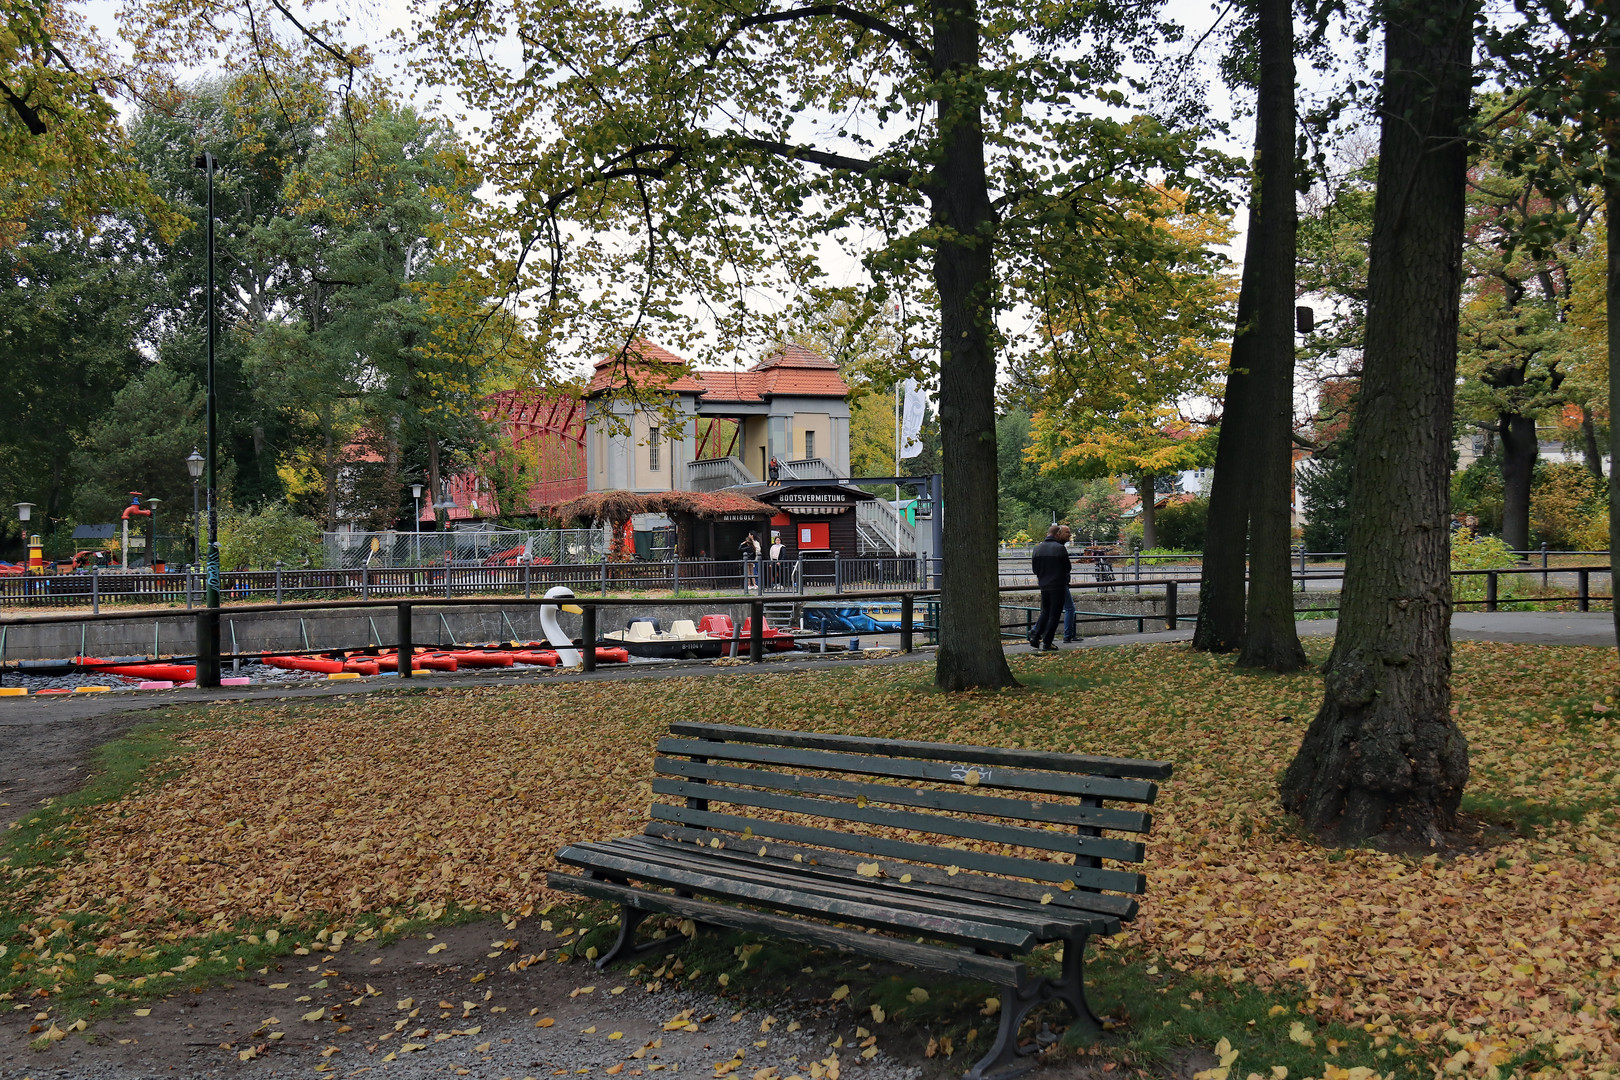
column 1519, row 449
column 1591, row 455
column 1383, row 757
column 1145, row 490
column 1611, row 207
column 1222, row 584
column 1270, row 639
column 970, row 651
column 433, row 487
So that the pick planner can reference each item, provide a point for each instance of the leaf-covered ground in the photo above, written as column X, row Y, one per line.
column 380, row 809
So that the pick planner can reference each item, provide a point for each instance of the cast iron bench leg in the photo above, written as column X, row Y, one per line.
column 629, row 919
column 1071, row 988
column 1006, row 1058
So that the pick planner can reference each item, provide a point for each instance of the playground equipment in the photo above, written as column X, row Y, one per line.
column 134, row 509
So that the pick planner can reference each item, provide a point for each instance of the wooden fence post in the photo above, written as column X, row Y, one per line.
column 756, row 631
column 403, row 632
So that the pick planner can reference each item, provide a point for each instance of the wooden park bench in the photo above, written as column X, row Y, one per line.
column 828, row 838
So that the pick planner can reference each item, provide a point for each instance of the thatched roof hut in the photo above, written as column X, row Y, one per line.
column 695, row 514
column 621, row 506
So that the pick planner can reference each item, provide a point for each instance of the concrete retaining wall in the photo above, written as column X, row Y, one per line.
column 272, row 630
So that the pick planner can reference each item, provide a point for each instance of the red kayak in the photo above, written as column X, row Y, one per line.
column 548, row 657
column 361, row 665
column 482, row 658
column 149, row 672
column 306, row 663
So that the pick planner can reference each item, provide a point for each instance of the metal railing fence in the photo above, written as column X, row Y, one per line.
column 206, row 621
column 834, row 574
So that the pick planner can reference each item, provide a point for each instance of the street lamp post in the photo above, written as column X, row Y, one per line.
column 25, row 510
column 194, row 466
column 416, row 506
column 208, row 622
column 151, row 533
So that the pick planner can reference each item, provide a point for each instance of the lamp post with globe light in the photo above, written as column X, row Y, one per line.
column 194, row 466
column 25, row 511
column 416, row 508
column 152, row 560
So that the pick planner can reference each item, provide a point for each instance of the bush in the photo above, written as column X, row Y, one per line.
column 1182, row 525
column 1471, row 552
column 1477, row 492
column 1593, row 535
column 257, row 541
column 1565, row 498
column 1159, row 555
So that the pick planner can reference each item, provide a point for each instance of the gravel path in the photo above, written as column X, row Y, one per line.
column 462, row 1011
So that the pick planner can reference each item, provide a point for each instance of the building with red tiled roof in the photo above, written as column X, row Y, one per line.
column 726, row 427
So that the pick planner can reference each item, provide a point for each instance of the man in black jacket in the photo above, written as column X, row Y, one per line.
column 1050, row 560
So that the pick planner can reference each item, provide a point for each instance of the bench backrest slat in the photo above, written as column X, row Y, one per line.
column 948, row 771
column 985, row 862
column 980, row 755
column 936, row 824
column 1058, row 813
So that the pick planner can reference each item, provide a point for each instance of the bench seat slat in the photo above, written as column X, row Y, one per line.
column 986, row 755
column 979, row 933
column 927, row 957
column 1100, row 787
column 1048, row 923
column 1012, row 866
column 965, row 883
column 1052, row 921
column 934, row 824
column 1058, row 813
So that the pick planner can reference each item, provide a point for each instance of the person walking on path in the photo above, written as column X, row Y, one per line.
column 1050, row 561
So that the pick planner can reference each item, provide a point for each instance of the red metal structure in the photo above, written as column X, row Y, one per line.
column 549, row 433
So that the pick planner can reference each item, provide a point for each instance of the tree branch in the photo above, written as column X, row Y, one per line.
column 25, row 112
column 312, row 36
column 895, row 174
column 918, row 51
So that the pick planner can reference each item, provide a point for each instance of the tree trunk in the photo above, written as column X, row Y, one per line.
column 329, row 472
column 1223, row 584
column 1383, row 757
column 433, row 480
column 1270, row 639
column 970, row 650
column 1589, row 443
column 1150, row 510
column 1611, row 206
column 1519, row 450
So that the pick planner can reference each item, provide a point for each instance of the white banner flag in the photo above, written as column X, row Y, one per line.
column 911, row 419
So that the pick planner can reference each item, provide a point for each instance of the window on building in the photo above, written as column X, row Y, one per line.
column 809, row 444
column 653, row 449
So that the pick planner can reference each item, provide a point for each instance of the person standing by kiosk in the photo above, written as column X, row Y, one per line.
column 1050, row 561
